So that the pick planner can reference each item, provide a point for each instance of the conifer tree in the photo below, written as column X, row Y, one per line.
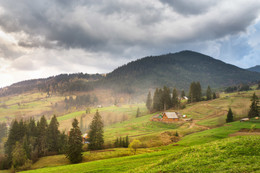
column 209, row 93
column 138, row 112
column 230, row 117
column 126, row 141
column 74, row 151
column 53, row 135
column 12, row 138
column 156, row 100
column 96, row 139
column 81, row 124
column 182, row 94
column 214, row 95
column 42, row 136
column 149, row 101
column 254, row 112
column 166, row 98
column 175, row 100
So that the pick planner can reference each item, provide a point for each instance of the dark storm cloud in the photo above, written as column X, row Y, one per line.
column 105, row 26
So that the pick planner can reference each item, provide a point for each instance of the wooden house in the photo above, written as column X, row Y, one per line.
column 166, row 117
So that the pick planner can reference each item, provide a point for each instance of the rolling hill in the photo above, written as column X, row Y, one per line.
column 177, row 70
column 255, row 68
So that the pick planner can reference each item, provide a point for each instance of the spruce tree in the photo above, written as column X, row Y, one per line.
column 230, row 117
column 13, row 136
column 182, row 94
column 209, row 93
column 53, row 135
column 96, row 139
column 254, row 112
column 149, row 101
column 166, row 98
column 175, row 100
column 74, row 151
column 138, row 113
column 156, row 100
column 214, row 95
column 42, row 136
column 126, row 141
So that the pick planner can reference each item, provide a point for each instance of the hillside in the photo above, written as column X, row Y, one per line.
column 60, row 83
column 255, row 68
column 177, row 70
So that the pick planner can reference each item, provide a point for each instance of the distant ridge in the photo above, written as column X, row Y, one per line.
column 255, row 68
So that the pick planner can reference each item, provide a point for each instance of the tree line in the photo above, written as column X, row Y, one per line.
column 79, row 101
column 165, row 98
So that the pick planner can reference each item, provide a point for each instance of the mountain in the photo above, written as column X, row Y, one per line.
column 176, row 70
column 173, row 70
column 60, row 83
column 255, row 68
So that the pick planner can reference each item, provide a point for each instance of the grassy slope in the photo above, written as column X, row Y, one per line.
column 146, row 161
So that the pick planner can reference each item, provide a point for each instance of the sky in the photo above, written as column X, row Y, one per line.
column 45, row 38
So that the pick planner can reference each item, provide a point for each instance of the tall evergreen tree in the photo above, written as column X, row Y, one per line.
column 166, row 98
column 156, row 99
column 209, row 93
column 253, row 112
column 182, row 94
column 175, row 100
column 149, row 101
column 12, row 138
column 53, row 135
column 42, row 136
column 138, row 114
column 214, row 96
column 3, row 131
column 195, row 92
column 96, row 139
column 74, row 151
column 230, row 117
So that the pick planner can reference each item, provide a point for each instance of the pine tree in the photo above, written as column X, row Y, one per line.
column 13, row 136
column 96, row 139
column 214, row 95
column 166, row 98
column 182, row 94
column 209, row 93
column 138, row 112
column 126, row 141
column 116, row 143
column 42, row 136
column 156, row 100
column 19, row 156
column 53, row 135
column 149, row 101
column 176, row 134
column 253, row 112
column 175, row 101
column 74, row 151
column 230, row 117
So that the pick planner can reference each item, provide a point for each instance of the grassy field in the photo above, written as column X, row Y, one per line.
column 210, row 147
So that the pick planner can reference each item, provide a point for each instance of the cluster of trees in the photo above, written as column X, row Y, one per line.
column 29, row 140
column 242, row 87
column 79, row 101
column 3, row 131
column 195, row 92
column 163, row 99
column 122, row 142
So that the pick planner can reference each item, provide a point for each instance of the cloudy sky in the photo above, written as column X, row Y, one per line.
column 44, row 38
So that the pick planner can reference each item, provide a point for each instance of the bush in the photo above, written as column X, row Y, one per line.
column 134, row 145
